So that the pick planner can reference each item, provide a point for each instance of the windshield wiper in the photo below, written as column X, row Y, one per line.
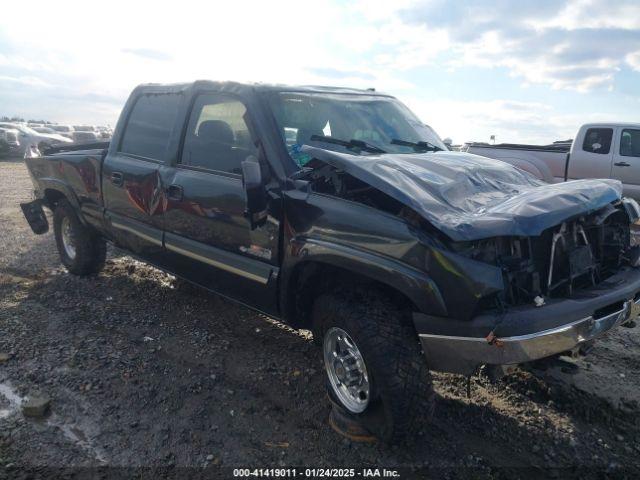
column 420, row 146
column 353, row 143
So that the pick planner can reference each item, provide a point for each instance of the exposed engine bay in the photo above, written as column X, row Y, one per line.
column 329, row 180
column 577, row 254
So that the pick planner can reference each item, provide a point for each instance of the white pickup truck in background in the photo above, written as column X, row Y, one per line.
column 599, row 150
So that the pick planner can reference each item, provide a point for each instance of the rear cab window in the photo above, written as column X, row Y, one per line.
column 150, row 124
column 598, row 140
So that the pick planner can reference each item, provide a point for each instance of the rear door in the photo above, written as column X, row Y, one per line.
column 132, row 188
column 626, row 160
column 207, row 237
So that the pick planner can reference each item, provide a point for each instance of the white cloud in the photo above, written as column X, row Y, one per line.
column 571, row 44
column 74, row 65
column 633, row 59
column 129, row 43
column 509, row 121
column 25, row 80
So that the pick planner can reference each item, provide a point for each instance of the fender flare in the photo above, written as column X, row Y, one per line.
column 57, row 185
column 411, row 282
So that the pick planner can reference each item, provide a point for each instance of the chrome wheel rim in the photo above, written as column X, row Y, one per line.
column 346, row 370
column 68, row 240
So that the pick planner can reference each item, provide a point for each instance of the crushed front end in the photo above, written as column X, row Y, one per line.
column 577, row 254
column 522, row 269
column 561, row 289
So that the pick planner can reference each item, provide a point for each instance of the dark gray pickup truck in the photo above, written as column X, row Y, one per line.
column 336, row 210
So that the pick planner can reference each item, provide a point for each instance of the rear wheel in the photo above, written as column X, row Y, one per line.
column 376, row 372
column 81, row 250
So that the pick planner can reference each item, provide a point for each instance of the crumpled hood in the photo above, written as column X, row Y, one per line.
column 469, row 197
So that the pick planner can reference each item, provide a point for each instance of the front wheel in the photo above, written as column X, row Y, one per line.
column 376, row 372
column 81, row 251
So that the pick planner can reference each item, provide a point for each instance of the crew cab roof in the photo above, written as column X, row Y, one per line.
column 258, row 87
column 611, row 124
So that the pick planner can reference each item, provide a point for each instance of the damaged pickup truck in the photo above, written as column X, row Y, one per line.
column 336, row 210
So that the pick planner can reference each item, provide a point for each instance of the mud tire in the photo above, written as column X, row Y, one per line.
column 90, row 248
column 402, row 398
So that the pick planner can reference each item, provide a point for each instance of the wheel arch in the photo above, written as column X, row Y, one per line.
column 320, row 271
column 53, row 191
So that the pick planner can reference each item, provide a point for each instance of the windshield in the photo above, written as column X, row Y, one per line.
column 361, row 124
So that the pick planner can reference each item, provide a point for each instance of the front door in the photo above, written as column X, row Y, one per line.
column 626, row 160
column 207, row 235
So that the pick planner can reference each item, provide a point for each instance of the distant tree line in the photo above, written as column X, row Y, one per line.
column 20, row 119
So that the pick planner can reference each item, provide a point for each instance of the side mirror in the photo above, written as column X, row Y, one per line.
column 256, row 193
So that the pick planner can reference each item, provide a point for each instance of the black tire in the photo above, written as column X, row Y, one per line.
column 90, row 249
column 402, row 398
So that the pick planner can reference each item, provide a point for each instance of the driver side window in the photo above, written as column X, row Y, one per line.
column 630, row 143
column 217, row 136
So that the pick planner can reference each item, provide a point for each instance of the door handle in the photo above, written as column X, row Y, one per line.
column 622, row 164
column 117, row 178
column 175, row 192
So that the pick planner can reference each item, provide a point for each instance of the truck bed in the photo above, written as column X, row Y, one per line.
column 79, row 149
column 547, row 162
column 76, row 172
column 564, row 146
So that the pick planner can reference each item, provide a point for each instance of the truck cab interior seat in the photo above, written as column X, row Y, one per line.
column 215, row 134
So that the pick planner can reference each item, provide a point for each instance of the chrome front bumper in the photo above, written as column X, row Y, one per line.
column 470, row 352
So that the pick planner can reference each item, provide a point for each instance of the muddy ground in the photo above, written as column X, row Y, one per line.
column 140, row 373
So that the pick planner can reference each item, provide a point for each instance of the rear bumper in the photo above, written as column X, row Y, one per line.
column 561, row 326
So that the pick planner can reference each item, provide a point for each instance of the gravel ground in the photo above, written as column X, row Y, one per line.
column 141, row 373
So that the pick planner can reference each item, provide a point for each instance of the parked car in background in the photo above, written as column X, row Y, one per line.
column 600, row 150
column 28, row 137
column 64, row 130
column 80, row 137
column 84, row 128
column 10, row 145
column 4, row 148
column 105, row 133
column 45, row 130
column 10, row 135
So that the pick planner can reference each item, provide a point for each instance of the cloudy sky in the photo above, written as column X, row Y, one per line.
column 526, row 71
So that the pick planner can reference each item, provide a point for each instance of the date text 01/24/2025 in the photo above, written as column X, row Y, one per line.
column 315, row 473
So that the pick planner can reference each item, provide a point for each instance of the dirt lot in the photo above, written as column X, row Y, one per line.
column 140, row 373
